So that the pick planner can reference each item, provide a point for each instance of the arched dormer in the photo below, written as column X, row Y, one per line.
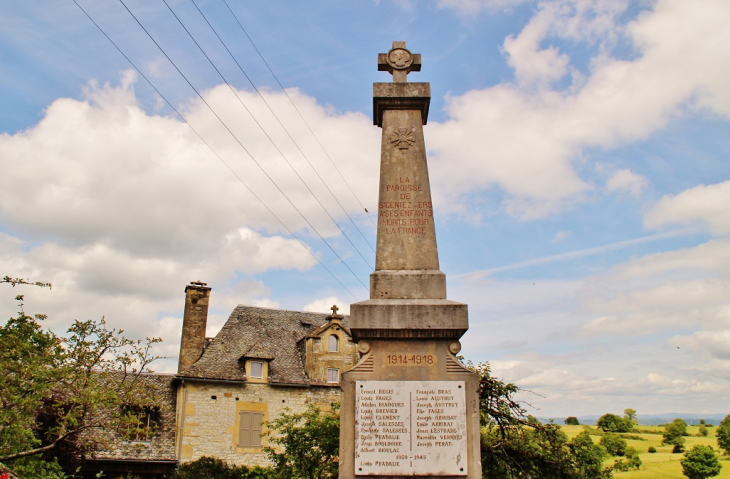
column 329, row 351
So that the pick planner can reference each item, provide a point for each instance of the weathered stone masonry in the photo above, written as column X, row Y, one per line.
column 211, row 425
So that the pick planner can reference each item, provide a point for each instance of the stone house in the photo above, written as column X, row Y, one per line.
column 262, row 362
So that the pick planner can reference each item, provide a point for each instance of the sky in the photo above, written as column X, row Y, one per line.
column 578, row 154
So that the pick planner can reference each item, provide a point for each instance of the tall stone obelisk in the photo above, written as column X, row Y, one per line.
column 409, row 408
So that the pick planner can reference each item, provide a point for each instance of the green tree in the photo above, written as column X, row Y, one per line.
column 703, row 431
column 572, row 421
column 674, row 433
column 52, row 385
column 588, row 456
column 514, row 446
column 700, row 462
column 723, row 434
column 615, row 445
column 306, row 445
column 613, row 423
column 630, row 415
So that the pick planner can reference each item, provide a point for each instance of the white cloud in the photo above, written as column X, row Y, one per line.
column 716, row 344
column 703, row 205
column 592, row 343
column 626, row 181
column 532, row 64
column 560, row 236
column 324, row 305
column 525, row 141
column 469, row 7
column 120, row 209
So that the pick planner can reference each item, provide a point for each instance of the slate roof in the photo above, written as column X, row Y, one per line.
column 262, row 333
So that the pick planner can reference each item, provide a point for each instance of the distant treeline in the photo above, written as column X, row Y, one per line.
column 690, row 419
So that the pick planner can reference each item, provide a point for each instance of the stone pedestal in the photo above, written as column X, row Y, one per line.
column 409, row 408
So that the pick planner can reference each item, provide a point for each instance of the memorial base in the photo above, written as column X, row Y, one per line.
column 409, row 409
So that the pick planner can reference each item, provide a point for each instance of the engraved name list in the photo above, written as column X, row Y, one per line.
column 410, row 428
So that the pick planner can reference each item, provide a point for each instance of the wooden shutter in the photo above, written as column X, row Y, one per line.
column 244, row 429
column 256, row 419
column 249, row 429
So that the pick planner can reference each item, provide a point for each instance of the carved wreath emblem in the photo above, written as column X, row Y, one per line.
column 400, row 58
column 402, row 138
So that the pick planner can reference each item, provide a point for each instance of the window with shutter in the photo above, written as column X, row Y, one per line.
column 249, row 429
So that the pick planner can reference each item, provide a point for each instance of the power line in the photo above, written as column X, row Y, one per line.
column 282, row 125
column 241, row 144
column 214, row 152
column 297, row 110
column 268, row 136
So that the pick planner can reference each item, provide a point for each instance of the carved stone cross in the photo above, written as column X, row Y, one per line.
column 334, row 309
column 399, row 62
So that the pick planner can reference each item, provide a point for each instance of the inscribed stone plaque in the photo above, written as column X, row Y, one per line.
column 410, row 428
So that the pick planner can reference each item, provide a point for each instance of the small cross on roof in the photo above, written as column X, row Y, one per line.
column 399, row 62
column 334, row 314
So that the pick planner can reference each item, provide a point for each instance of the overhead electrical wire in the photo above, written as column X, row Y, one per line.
column 216, row 153
column 241, row 144
column 269, row 137
column 324, row 183
column 297, row 110
column 225, row 80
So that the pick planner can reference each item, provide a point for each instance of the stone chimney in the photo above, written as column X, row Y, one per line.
column 195, row 319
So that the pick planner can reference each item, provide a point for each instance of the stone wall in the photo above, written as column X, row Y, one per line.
column 110, row 445
column 208, row 414
column 319, row 359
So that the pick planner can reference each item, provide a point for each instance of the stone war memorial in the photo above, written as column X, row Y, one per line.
column 409, row 408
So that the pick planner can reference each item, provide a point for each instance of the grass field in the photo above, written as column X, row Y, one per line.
column 661, row 464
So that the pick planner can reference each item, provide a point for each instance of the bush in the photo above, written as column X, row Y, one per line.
column 572, row 421
column 703, row 432
column 614, row 423
column 673, row 435
column 305, row 445
column 630, row 461
column 614, row 445
column 723, row 434
column 700, row 462
column 651, row 449
column 213, row 468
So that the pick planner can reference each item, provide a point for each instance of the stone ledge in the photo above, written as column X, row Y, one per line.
column 400, row 96
column 408, row 318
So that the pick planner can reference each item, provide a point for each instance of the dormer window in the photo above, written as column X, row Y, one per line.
column 257, row 369
column 333, row 343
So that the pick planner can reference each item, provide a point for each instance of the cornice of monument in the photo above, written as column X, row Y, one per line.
column 400, row 96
